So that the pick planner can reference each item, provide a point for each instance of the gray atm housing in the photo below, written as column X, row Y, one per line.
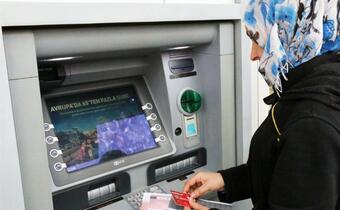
column 116, row 52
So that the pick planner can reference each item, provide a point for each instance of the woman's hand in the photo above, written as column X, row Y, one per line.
column 195, row 205
column 202, row 183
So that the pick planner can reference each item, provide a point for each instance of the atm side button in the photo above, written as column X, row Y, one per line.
column 48, row 127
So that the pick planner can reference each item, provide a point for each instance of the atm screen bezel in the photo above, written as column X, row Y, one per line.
column 165, row 148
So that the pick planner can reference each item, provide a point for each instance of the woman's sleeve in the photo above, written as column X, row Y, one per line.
column 306, row 175
column 236, row 184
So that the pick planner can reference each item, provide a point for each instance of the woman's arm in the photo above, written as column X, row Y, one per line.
column 306, row 175
column 236, row 184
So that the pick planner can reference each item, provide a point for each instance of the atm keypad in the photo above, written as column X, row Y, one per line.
column 135, row 199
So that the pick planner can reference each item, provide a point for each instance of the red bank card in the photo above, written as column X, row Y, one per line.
column 181, row 199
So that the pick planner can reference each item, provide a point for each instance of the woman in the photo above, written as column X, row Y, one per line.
column 294, row 158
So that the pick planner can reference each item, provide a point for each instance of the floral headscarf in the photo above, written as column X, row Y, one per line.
column 291, row 32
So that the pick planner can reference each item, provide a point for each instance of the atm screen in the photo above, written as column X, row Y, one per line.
column 98, row 126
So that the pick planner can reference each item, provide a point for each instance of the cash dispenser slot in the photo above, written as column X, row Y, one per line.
column 175, row 167
column 92, row 194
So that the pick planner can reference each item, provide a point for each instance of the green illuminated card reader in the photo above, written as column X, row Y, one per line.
column 189, row 102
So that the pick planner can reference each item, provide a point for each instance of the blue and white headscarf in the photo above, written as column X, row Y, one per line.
column 291, row 32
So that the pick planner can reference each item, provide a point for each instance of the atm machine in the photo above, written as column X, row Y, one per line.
column 104, row 113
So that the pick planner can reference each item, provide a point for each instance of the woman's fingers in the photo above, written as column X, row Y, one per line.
column 191, row 183
column 200, row 191
column 199, row 184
